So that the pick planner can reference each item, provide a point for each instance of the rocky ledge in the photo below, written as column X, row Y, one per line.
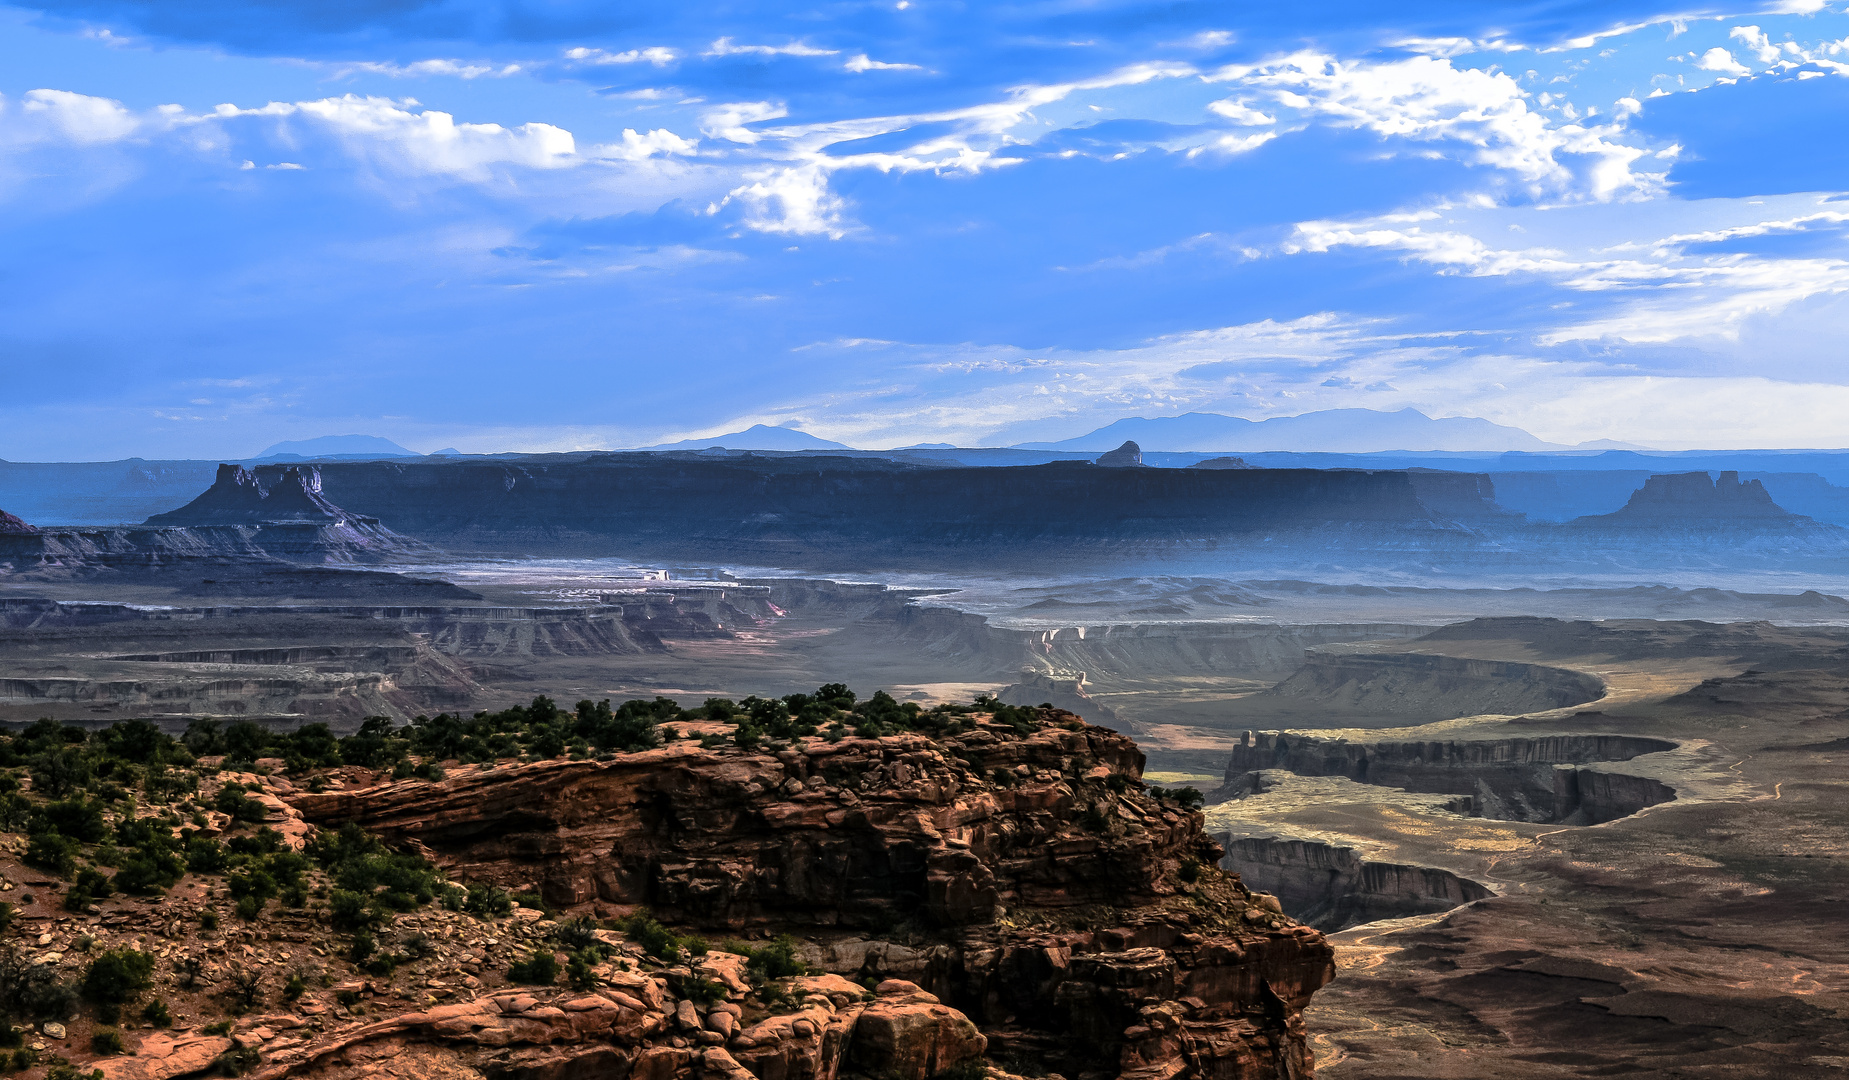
column 13, row 526
column 1010, row 893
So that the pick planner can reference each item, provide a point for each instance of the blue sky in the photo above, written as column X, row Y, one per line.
column 555, row 224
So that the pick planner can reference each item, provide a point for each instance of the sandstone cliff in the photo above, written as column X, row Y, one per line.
column 1695, row 499
column 12, row 526
column 1023, row 877
column 236, row 498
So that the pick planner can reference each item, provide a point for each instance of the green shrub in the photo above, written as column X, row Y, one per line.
column 703, row 991
column 1190, row 871
column 540, row 968
column 777, row 960
column 578, row 933
column 581, row 972
column 364, row 945
column 348, row 910
column 295, row 987
column 79, row 819
column 117, row 976
column 156, row 1012
column 52, row 851
column 655, row 939
column 236, row 1061
column 488, row 902
column 106, row 1041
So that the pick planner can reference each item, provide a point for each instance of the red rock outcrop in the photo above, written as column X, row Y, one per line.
column 13, row 526
column 1019, row 893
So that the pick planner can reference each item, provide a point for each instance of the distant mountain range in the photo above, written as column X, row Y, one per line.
column 756, row 437
column 1332, row 431
column 1339, row 431
column 336, row 446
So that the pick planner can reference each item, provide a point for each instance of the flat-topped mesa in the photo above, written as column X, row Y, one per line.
column 1022, row 873
column 237, row 498
column 13, row 526
column 1695, row 499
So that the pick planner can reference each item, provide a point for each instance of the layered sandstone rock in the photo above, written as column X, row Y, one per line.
column 237, row 498
column 13, row 526
column 1695, row 499
column 1012, row 893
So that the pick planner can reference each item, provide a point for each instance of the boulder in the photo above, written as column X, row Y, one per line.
column 908, row 1034
column 163, row 1056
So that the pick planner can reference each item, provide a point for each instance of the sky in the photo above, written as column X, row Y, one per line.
column 546, row 225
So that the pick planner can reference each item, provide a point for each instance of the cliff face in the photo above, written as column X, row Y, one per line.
column 237, row 498
column 1026, row 880
column 791, row 506
column 76, row 552
column 236, row 519
column 1550, row 778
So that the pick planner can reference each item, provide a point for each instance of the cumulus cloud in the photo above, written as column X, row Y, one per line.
column 1719, row 59
column 394, row 133
column 792, row 201
column 634, row 147
column 78, row 118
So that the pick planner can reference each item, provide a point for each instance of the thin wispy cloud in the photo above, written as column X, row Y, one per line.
column 1547, row 217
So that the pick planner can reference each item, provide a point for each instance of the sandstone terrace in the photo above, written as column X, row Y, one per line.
column 1007, row 861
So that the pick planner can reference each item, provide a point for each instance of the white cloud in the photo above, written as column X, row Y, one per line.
column 1755, row 40
column 459, row 69
column 658, row 55
column 1241, row 113
column 791, row 201
column 860, row 62
column 390, row 132
column 725, row 47
column 1211, row 39
column 1423, row 99
column 1447, row 47
column 1719, row 59
column 728, row 121
column 634, row 147
column 999, row 394
column 1663, row 292
column 79, row 118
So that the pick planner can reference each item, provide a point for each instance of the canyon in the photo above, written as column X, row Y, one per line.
column 1513, row 808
